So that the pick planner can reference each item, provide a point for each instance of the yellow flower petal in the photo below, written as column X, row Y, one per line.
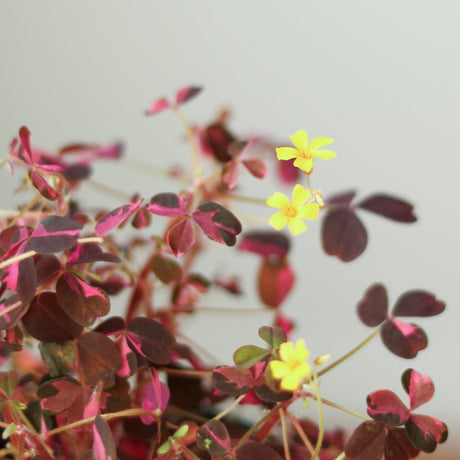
column 287, row 351
column 278, row 220
column 278, row 368
column 302, row 350
column 278, row 200
column 300, row 195
column 319, row 142
column 300, row 139
column 297, row 225
column 290, row 383
column 305, row 164
column 325, row 154
column 309, row 211
column 286, row 153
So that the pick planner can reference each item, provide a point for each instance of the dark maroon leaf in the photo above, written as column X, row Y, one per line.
column 402, row 339
column 266, row 243
column 398, row 446
column 426, row 432
column 11, row 310
column 112, row 325
column 104, row 447
column 40, row 183
column 77, row 171
column 275, row 281
column 169, row 204
column 419, row 387
column 166, row 269
column 342, row 200
column 217, row 223
column 11, row 241
column 266, row 394
column 180, row 237
column 158, row 106
column 83, row 302
column 373, row 307
column 142, row 218
column 116, row 217
column 229, row 175
column 390, row 207
column 213, row 437
column 90, row 252
column 236, row 148
column 59, row 394
column 252, row 450
column 231, row 381
column 216, row 139
column 384, row 406
column 47, row 266
column 99, row 358
column 187, row 93
column 55, row 234
column 418, row 303
column 256, row 167
column 343, row 235
column 151, row 339
column 47, row 321
column 367, row 442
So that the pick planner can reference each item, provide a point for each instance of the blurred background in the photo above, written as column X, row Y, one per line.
column 381, row 78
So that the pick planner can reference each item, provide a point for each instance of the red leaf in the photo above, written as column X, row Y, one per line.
column 116, row 217
column 384, row 406
column 24, row 139
column 232, row 381
column 267, row 243
column 155, row 397
column 398, row 446
column 55, row 234
column 402, row 339
column 373, row 307
column 180, row 237
column 418, row 303
column 41, row 184
column 141, row 219
column 58, row 395
column 185, row 94
column 47, row 321
column 343, row 235
column 213, row 438
column 419, row 387
column 84, row 303
column 104, row 447
column 256, row 167
column 158, row 106
column 367, row 442
column 218, row 223
column 426, row 432
column 390, row 207
column 169, row 204
column 275, row 281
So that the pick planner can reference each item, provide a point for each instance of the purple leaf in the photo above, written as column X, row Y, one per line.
column 385, row 407
column 231, row 381
column 215, row 140
column 158, row 106
column 83, row 302
column 218, row 223
column 76, row 172
column 185, row 94
column 373, row 307
column 213, row 437
column 419, row 387
column 367, row 442
column 398, row 446
column 90, row 252
column 55, row 234
column 151, row 339
column 169, row 204
column 47, row 266
column 40, row 183
column 426, row 432
column 256, row 167
column 267, row 243
column 116, row 217
column 390, row 207
column 180, row 237
column 155, row 397
column 418, row 303
column 104, row 447
column 402, row 339
column 343, row 235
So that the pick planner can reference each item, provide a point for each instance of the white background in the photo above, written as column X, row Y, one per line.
column 381, row 78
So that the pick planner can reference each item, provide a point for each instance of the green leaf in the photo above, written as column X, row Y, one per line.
column 59, row 358
column 9, row 430
column 248, row 355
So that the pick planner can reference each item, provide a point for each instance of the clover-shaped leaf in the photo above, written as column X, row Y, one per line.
column 231, row 381
column 418, row 303
column 169, row 204
column 180, row 237
column 266, row 243
column 426, row 432
column 373, row 307
column 384, row 406
column 403, row 339
column 275, row 280
column 367, row 442
column 213, row 437
column 116, row 217
column 248, row 355
column 390, row 207
column 419, row 387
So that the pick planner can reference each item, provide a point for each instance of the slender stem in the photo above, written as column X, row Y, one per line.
column 319, row 441
column 252, row 218
column 302, row 434
column 287, row 454
column 349, row 354
column 341, row 456
column 10, row 308
column 186, row 373
column 230, row 407
column 246, row 199
column 344, row 409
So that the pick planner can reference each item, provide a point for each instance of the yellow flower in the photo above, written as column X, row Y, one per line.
column 292, row 368
column 304, row 152
column 293, row 212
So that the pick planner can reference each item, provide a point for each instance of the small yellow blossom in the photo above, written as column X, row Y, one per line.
column 304, row 152
column 292, row 368
column 322, row 359
column 292, row 212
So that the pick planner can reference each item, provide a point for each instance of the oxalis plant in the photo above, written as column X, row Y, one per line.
column 78, row 383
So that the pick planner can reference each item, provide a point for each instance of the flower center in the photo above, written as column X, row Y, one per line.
column 306, row 154
column 291, row 211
